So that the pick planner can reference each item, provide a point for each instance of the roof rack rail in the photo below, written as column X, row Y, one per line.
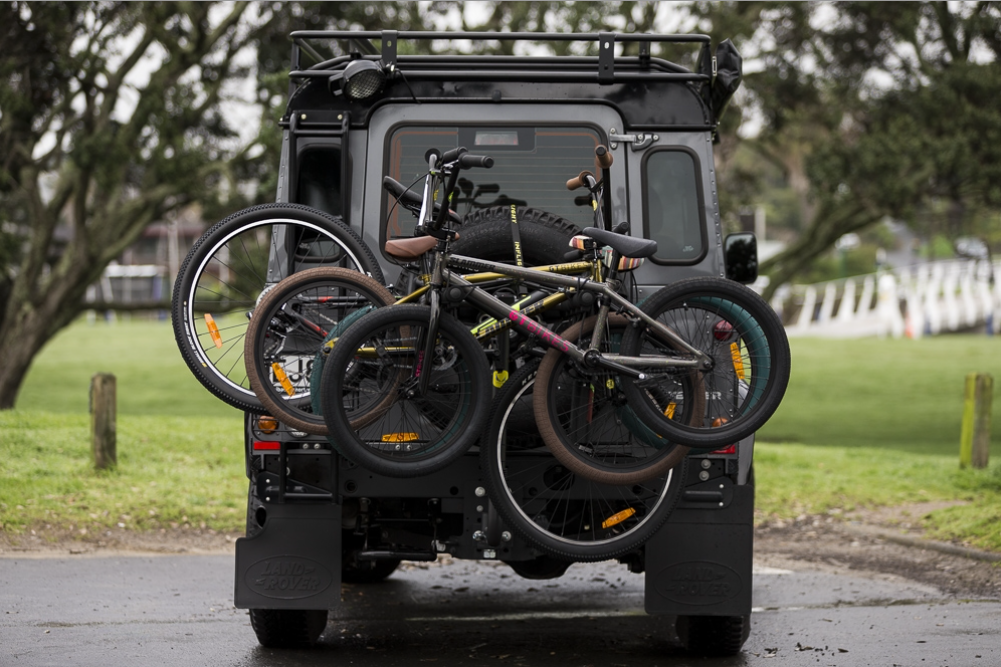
column 605, row 68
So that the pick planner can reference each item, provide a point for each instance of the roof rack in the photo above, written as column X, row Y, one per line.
column 602, row 69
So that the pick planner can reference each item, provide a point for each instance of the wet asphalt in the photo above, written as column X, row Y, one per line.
column 177, row 610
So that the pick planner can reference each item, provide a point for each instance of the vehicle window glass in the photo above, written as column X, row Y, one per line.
column 319, row 170
column 671, row 209
column 531, row 168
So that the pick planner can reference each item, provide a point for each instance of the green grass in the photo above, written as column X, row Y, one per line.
column 905, row 395
column 802, row 479
column 868, row 422
column 171, row 471
column 151, row 377
column 876, row 422
column 180, row 449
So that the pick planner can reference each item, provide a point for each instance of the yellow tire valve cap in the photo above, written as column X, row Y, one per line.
column 500, row 377
column 618, row 518
column 213, row 330
column 283, row 379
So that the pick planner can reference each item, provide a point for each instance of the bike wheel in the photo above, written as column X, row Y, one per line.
column 749, row 355
column 227, row 270
column 371, row 400
column 564, row 514
column 584, row 418
column 288, row 329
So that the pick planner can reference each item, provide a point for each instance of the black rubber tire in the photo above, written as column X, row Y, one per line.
column 540, row 568
column 448, row 421
column 713, row 635
column 743, row 336
column 550, row 507
column 288, row 628
column 369, row 572
column 486, row 234
column 189, row 294
column 584, row 444
column 265, row 330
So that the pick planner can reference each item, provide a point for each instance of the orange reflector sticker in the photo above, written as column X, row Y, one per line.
column 213, row 330
column 283, row 379
column 618, row 518
column 719, row 421
column 669, row 410
column 738, row 363
column 400, row 437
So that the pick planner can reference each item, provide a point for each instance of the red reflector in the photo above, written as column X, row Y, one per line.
column 266, row 444
column 722, row 330
column 732, row 449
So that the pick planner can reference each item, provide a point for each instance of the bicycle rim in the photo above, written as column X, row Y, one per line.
column 563, row 513
column 229, row 281
column 287, row 333
column 749, row 357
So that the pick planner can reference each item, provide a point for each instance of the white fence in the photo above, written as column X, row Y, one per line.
column 925, row 299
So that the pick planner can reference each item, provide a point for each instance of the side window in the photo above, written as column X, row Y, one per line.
column 319, row 178
column 672, row 206
column 531, row 168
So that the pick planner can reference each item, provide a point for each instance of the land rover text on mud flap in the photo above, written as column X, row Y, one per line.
column 360, row 110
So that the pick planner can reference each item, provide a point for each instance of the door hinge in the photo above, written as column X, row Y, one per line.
column 639, row 141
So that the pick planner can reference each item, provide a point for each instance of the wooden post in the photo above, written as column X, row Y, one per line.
column 975, row 437
column 102, row 420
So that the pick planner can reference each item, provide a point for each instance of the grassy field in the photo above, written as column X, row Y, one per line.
column 903, row 395
column 151, row 376
column 865, row 423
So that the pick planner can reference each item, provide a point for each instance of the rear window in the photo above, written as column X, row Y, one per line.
column 672, row 206
column 531, row 168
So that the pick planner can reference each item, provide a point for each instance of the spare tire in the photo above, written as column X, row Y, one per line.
column 487, row 234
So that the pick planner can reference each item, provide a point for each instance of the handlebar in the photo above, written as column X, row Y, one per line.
column 602, row 156
column 467, row 161
column 453, row 155
column 579, row 181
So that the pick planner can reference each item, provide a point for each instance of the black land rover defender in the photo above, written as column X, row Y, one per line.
column 360, row 110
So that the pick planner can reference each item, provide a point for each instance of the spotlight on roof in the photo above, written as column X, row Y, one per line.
column 360, row 80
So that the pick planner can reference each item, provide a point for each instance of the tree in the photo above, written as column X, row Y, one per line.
column 110, row 118
column 875, row 110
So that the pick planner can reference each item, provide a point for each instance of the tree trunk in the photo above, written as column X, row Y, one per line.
column 20, row 341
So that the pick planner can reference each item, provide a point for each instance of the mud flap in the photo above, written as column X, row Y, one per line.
column 294, row 562
column 699, row 563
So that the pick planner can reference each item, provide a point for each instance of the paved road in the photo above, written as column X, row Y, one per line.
column 177, row 610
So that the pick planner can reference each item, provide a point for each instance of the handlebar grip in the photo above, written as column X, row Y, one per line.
column 453, row 155
column 467, row 161
column 579, row 181
column 621, row 228
column 602, row 156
